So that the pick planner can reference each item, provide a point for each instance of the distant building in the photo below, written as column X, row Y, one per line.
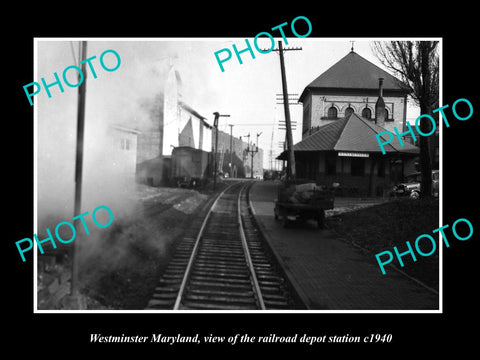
column 181, row 125
column 241, row 160
column 173, row 123
column 193, row 129
column 123, row 156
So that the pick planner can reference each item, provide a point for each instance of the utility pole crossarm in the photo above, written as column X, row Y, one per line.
column 292, row 48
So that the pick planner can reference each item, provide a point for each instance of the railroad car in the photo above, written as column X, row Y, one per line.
column 190, row 167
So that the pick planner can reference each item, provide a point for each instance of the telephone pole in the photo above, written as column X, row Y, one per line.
column 231, row 157
column 245, row 154
column 291, row 173
column 252, row 152
column 271, row 145
column 78, row 171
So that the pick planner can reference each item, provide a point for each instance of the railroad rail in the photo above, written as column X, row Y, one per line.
column 226, row 265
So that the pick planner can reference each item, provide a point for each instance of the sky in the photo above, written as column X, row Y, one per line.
column 246, row 92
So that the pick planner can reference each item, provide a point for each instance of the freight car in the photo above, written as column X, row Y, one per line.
column 190, row 167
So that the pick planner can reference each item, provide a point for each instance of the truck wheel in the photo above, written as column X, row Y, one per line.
column 414, row 195
column 321, row 219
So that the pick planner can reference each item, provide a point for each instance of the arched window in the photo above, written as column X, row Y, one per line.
column 367, row 113
column 386, row 114
column 349, row 111
column 332, row 112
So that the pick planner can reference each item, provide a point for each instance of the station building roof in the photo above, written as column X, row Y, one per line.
column 352, row 134
column 355, row 72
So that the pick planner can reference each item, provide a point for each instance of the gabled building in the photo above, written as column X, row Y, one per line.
column 173, row 123
column 344, row 109
column 181, row 125
column 193, row 129
column 123, row 155
column 351, row 86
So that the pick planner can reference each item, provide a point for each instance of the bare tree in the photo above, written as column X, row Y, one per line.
column 416, row 64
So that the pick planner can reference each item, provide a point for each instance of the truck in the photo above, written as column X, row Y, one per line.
column 302, row 200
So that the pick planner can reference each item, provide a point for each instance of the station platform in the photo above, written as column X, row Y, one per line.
column 331, row 274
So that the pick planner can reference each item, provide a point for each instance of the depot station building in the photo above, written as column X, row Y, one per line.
column 343, row 110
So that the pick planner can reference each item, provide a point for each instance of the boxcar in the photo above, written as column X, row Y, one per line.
column 190, row 167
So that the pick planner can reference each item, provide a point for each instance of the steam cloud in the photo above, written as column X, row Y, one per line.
column 130, row 97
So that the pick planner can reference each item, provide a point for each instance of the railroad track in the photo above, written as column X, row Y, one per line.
column 222, row 263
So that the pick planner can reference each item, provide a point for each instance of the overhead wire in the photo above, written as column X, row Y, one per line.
column 77, row 62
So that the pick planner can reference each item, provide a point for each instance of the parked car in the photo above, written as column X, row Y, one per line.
column 411, row 186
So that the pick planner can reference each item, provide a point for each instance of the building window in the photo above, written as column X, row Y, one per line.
column 124, row 144
column 330, row 164
column 386, row 114
column 349, row 111
column 357, row 166
column 367, row 113
column 332, row 112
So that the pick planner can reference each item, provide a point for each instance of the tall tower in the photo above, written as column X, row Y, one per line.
column 171, row 111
